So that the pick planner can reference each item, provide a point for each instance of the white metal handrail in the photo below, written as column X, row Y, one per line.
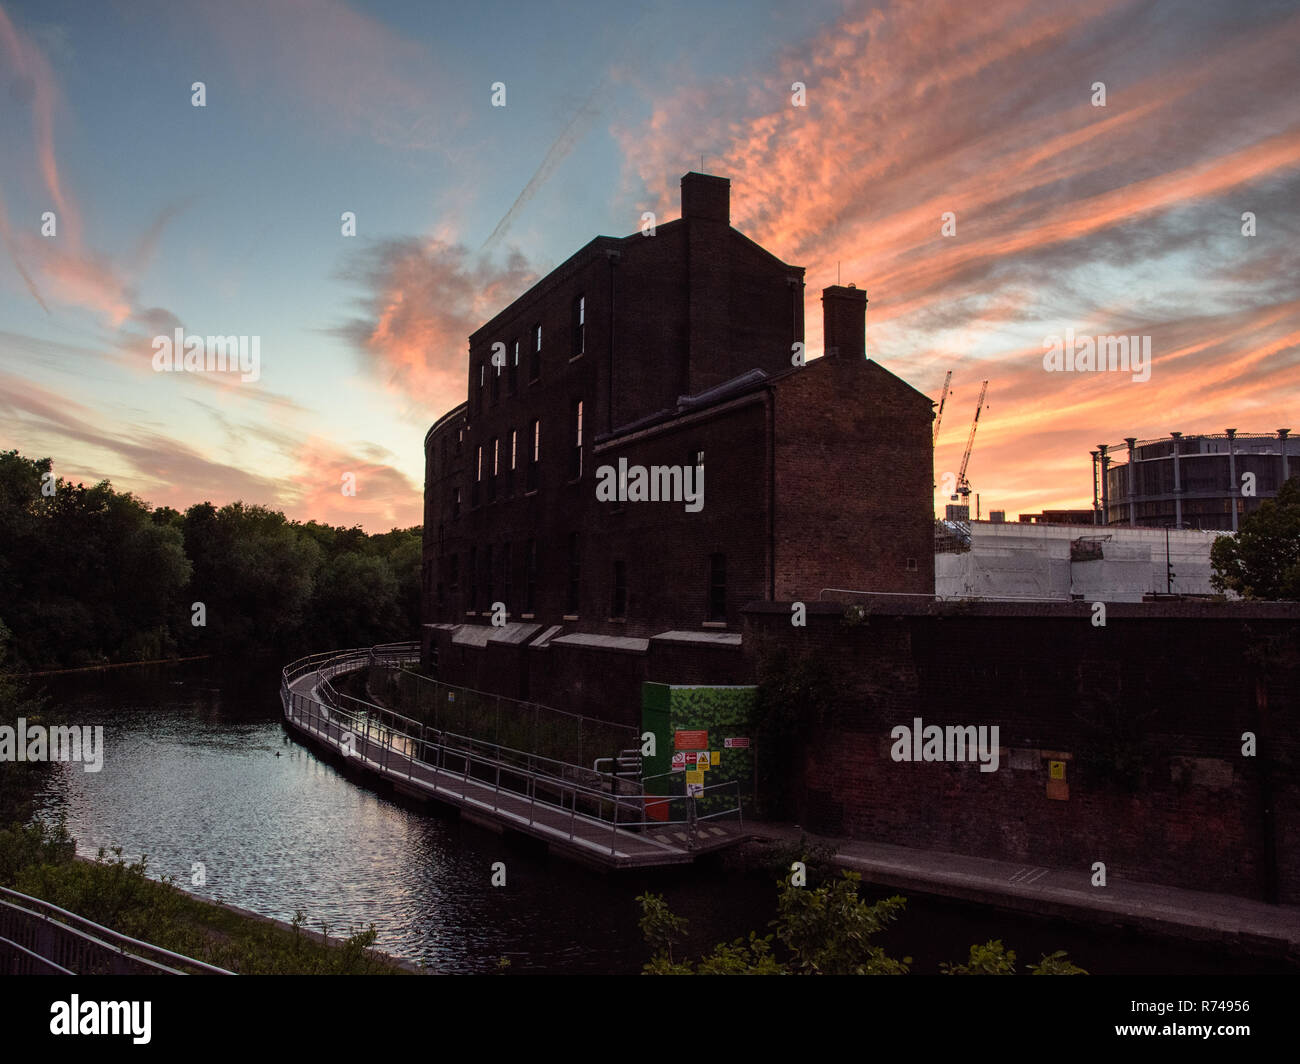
column 377, row 726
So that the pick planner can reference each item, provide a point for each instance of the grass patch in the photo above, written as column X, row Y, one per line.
column 109, row 890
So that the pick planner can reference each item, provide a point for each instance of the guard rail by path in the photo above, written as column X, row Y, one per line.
column 600, row 819
column 37, row 938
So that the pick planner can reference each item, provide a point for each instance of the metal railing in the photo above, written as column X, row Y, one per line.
column 527, row 725
column 38, row 938
column 402, row 748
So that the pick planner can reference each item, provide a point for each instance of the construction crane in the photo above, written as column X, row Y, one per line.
column 942, row 399
column 963, row 486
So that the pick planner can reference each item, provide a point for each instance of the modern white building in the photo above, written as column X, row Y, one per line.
column 1092, row 563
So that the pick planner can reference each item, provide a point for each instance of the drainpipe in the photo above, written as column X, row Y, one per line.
column 1233, row 492
column 771, row 493
column 1178, row 484
column 1132, row 474
column 613, row 257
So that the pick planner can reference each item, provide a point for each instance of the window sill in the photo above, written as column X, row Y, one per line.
column 569, row 617
column 715, row 624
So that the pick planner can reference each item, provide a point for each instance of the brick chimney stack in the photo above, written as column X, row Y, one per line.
column 844, row 322
column 707, row 197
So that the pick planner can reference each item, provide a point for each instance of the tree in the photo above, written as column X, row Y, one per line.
column 827, row 930
column 1262, row 561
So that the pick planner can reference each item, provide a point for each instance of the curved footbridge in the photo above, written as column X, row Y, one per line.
column 602, row 819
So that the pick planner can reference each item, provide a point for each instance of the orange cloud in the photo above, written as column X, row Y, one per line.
column 419, row 302
column 1122, row 219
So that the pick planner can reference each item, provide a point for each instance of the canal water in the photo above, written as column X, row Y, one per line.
column 198, row 769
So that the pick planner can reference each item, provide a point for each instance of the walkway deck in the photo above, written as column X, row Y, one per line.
column 546, row 807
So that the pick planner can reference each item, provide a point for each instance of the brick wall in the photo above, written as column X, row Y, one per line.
column 1169, row 689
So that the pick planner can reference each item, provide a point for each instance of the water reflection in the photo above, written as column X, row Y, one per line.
column 199, row 768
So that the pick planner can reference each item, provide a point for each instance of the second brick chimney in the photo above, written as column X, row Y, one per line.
column 707, row 197
column 844, row 322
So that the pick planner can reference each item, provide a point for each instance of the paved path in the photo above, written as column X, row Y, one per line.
column 497, row 805
column 1261, row 927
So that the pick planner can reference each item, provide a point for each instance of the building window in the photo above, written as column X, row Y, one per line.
column 534, row 454
column 473, row 579
column 530, row 576
column 496, row 384
column 575, row 456
column 510, row 471
column 512, row 380
column 496, row 465
column 507, row 574
column 478, row 478
column 535, row 365
column 618, row 609
column 478, row 395
column 460, row 442
column 487, row 576
column 718, row 587
column 454, row 580
column 455, row 503
column 579, row 325
column 575, row 575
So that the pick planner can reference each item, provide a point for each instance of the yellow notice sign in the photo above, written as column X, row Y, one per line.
column 715, row 757
column 1056, row 770
column 695, row 776
column 702, row 762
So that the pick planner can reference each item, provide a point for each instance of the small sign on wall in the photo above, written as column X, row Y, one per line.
column 691, row 740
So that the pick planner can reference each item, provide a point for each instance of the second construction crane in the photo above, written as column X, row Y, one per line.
column 963, row 485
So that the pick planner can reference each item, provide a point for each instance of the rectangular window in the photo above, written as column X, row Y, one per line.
column 473, row 578
column 530, row 576
column 460, row 441
column 455, row 503
column 478, row 478
column 618, row 608
column 718, row 587
column 575, row 575
column 575, row 456
column 534, row 456
column 496, row 384
column 507, row 575
column 487, row 576
column 579, row 325
column 512, row 381
column 535, row 366
column 509, row 488
column 478, row 394
column 496, row 466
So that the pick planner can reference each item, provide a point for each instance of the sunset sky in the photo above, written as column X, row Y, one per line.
column 225, row 219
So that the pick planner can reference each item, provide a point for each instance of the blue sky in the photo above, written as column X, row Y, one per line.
column 225, row 219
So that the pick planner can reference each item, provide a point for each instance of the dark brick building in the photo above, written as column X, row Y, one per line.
column 671, row 349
